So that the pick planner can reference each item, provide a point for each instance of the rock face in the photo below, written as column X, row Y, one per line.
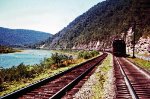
column 94, row 45
column 143, row 45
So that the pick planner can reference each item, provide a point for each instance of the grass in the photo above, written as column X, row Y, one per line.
column 101, row 75
column 141, row 63
column 146, row 54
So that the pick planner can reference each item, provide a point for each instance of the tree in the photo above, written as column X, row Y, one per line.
column 55, row 58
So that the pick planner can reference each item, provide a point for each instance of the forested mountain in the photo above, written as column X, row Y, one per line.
column 100, row 24
column 21, row 37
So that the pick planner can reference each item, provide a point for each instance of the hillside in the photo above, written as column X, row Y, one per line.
column 21, row 37
column 96, row 28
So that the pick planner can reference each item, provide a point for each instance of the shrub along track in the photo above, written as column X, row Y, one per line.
column 131, row 82
column 56, row 87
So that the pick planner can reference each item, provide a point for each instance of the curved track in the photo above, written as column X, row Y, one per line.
column 57, row 86
column 131, row 82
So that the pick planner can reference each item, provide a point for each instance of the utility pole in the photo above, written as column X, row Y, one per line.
column 133, row 29
column 141, row 8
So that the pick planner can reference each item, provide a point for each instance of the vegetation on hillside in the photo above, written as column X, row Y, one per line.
column 21, row 37
column 104, row 21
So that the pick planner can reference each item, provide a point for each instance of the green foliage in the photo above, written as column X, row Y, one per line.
column 14, row 73
column 87, row 54
column 1, row 78
column 21, row 37
column 56, row 58
column 94, row 53
column 4, row 49
column 17, row 73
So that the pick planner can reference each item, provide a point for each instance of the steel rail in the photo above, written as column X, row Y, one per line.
column 32, row 86
column 129, row 85
column 63, row 91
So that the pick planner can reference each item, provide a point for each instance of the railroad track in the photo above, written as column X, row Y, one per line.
column 131, row 81
column 57, row 86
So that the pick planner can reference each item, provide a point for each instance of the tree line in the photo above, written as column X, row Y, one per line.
column 5, row 49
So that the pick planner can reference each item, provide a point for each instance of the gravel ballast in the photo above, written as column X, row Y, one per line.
column 100, row 85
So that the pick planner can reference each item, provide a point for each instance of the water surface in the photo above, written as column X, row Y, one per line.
column 28, row 57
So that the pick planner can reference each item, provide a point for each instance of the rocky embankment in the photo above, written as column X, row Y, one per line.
column 142, row 46
column 94, row 45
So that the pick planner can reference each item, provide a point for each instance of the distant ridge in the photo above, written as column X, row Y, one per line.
column 21, row 37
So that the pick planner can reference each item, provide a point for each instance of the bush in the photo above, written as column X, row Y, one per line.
column 94, row 53
column 58, row 59
column 66, row 63
column 17, row 73
column 55, row 58
column 22, row 71
column 87, row 54
column 80, row 54
column 1, row 79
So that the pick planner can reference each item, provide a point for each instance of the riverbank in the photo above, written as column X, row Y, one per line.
column 5, row 49
column 22, row 75
column 74, row 54
column 14, row 78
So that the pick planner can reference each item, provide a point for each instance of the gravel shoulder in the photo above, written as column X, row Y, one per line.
column 100, row 85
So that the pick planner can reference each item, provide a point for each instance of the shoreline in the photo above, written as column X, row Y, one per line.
column 26, row 56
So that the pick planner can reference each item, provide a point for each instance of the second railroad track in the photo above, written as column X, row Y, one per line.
column 131, row 81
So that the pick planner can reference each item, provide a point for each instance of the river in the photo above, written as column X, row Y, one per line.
column 27, row 57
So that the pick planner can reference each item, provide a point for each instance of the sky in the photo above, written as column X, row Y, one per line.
column 42, row 15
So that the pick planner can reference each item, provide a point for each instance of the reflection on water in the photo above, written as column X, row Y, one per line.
column 28, row 57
